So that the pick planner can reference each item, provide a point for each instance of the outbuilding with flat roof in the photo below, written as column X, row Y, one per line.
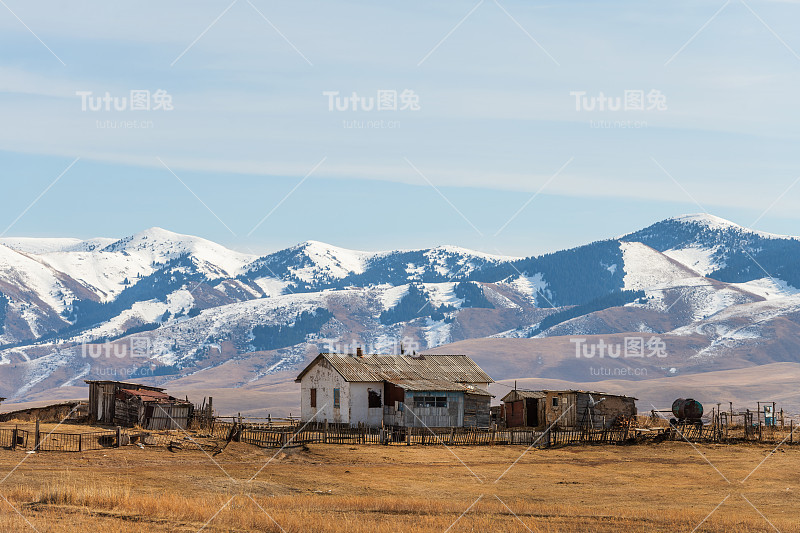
column 566, row 409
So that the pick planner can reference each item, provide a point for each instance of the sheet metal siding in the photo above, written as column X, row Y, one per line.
column 435, row 417
column 515, row 413
column 151, row 415
column 168, row 416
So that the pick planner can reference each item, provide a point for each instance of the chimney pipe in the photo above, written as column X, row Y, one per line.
column 359, row 352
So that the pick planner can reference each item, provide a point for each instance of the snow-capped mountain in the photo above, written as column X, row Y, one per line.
column 70, row 307
column 723, row 250
column 314, row 265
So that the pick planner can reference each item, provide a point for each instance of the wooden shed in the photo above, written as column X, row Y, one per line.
column 102, row 398
column 521, row 408
column 566, row 409
column 150, row 410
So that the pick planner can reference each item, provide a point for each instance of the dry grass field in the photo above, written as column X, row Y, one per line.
column 665, row 487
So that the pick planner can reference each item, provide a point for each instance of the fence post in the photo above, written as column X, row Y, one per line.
column 14, row 439
column 791, row 430
column 325, row 436
column 36, row 437
column 119, row 431
column 80, row 442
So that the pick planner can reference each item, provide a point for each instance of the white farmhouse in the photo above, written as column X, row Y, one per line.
column 395, row 390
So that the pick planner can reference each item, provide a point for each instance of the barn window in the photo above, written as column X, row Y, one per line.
column 314, row 398
column 374, row 399
column 430, row 401
column 336, row 399
column 555, row 401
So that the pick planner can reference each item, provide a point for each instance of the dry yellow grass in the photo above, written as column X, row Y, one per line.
column 669, row 487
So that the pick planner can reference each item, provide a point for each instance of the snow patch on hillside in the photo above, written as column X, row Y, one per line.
column 442, row 294
column 390, row 296
column 232, row 321
column 534, row 286
column 272, row 286
column 645, row 267
column 698, row 258
column 436, row 333
column 29, row 275
column 146, row 312
column 769, row 288
column 750, row 314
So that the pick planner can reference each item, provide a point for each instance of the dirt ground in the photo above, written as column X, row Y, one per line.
column 665, row 487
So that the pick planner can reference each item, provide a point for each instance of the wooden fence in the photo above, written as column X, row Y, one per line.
column 269, row 435
column 337, row 434
column 320, row 433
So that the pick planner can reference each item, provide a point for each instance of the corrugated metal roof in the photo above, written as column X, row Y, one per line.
column 152, row 396
column 437, row 385
column 520, row 394
column 123, row 384
column 515, row 395
column 593, row 392
column 380, row 367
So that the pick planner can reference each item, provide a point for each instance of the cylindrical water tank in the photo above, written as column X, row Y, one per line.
column 687, row 409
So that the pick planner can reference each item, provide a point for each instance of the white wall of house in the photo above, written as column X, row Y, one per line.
column 359, row 404
column 323, row 377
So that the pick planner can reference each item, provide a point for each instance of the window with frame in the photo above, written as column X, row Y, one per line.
column 336, row 404
column 555, row 401
column 430, row 401
column 314, row 398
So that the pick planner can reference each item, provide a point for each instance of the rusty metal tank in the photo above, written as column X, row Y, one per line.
column 687, row 409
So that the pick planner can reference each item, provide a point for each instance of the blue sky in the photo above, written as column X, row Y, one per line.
column 477, row 165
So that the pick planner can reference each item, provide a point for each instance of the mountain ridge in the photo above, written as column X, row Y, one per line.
column 203, row 309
